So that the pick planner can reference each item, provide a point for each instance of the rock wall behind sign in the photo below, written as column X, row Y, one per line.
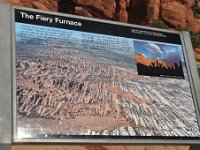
column 168, row 14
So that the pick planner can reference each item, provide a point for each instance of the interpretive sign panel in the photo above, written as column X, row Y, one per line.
column 83, row 80
column 77, row 77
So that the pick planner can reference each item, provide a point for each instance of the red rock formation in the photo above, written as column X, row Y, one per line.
column 82, row 12
column 179, row 14
column 197, row 54
column 14, row 2
column 39, row 6
column 66, row 7
column 121, row 13
column 99, row 8
column 140, row 12
column 148, row 62
column 142, row 60
column 156, row 11
column 176, row 13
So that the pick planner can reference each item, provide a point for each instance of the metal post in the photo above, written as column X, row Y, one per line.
column 5, row 147
column 195, row 147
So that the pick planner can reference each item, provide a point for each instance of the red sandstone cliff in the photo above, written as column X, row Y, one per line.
column 141, row 59
column 175, row 13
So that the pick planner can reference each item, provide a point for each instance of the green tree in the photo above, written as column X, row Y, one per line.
column 159, row 24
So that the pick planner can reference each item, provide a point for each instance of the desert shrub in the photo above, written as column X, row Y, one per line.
column 159, row 24
column 196, row 12
column 196, row 41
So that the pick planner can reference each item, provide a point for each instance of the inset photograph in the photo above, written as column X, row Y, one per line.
column 158, row 59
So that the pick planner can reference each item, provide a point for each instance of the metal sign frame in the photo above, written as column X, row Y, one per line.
column 8, row 127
